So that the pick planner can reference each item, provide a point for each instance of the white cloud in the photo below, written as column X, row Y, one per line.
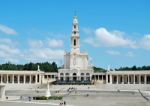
column 35, row 43
column 88, row 31
column 92, row 42
column 8, row 51
column 55, row 43
column 145, row 42
column 110, row 39
column 44, row 54
column 112, row 52
column 7, row 30
column 40, row 51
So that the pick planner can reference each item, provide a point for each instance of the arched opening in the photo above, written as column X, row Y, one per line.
column 74, row 42
column 74, row 77
column 67, row 77
column 61, row 74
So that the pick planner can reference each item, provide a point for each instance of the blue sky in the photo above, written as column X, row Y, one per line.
column 113, row 32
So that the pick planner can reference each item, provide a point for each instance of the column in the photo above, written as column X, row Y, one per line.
column 128, row 79
column 13, row 78
column 1, row 78
column 24, row 79
column 110, row 78
column 134, row 79
column 40, row 78
column 106, row 79
column 7, row 78
column 139, row 79
column 30, row 79
column 122, row 79
column 145, row 79
column 18, row 76
column 36, row 78
column 117, row 79
column 65, row 77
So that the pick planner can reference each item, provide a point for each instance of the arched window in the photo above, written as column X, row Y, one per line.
column 67, row 73
column 61, row 73
column 74, row 42
column 82, row 73
column 87, row 74
column 74, row 32
column 74, row 74
column 74, row 26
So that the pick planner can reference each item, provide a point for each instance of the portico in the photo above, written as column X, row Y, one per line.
column 128, row 77
column 20, row 77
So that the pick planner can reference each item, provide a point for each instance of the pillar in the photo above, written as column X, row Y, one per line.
column 7, row 78
column 128, row 79
column 30, row 79
column 134, row 79
column 145, row 79
column 1, row 78
column 36, row 78
column 139, row 79
column 13, row 78
column 24, row 79
column 122, row 79
column 65, row 77
column 110, row 79
column 18, row 76
column 117, row 79
column 106, row 79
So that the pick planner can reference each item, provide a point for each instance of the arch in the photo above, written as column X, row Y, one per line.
column 67, row 74
column 74, row 77
column 74, row 74
column 87, row 74
column 74, row 42
column 82, row 74
column 61, row 73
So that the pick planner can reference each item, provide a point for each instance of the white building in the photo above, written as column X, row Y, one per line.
column 76, row 63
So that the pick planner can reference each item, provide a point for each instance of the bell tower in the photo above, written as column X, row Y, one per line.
column 75, row 47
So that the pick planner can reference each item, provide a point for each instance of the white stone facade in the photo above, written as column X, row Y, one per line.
column 76, row 63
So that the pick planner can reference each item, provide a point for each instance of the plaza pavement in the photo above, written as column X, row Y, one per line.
column 86, row 98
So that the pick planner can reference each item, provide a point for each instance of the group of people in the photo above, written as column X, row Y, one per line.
column 63, row 103
column 71, row 89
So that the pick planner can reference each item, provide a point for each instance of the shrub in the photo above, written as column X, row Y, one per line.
column 48, row 98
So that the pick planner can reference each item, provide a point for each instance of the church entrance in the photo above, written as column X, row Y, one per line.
column 67, row 79
column 74, row 77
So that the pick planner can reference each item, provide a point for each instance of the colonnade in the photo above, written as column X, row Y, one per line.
column 19, row 78
column 128, row 79
column 74, row 77
column 98, row 77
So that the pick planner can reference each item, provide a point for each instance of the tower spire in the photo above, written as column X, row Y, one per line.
column 75, row 36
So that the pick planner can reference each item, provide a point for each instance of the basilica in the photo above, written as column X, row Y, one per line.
column 76, row 63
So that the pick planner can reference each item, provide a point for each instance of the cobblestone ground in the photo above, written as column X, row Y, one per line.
column 92, row 99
